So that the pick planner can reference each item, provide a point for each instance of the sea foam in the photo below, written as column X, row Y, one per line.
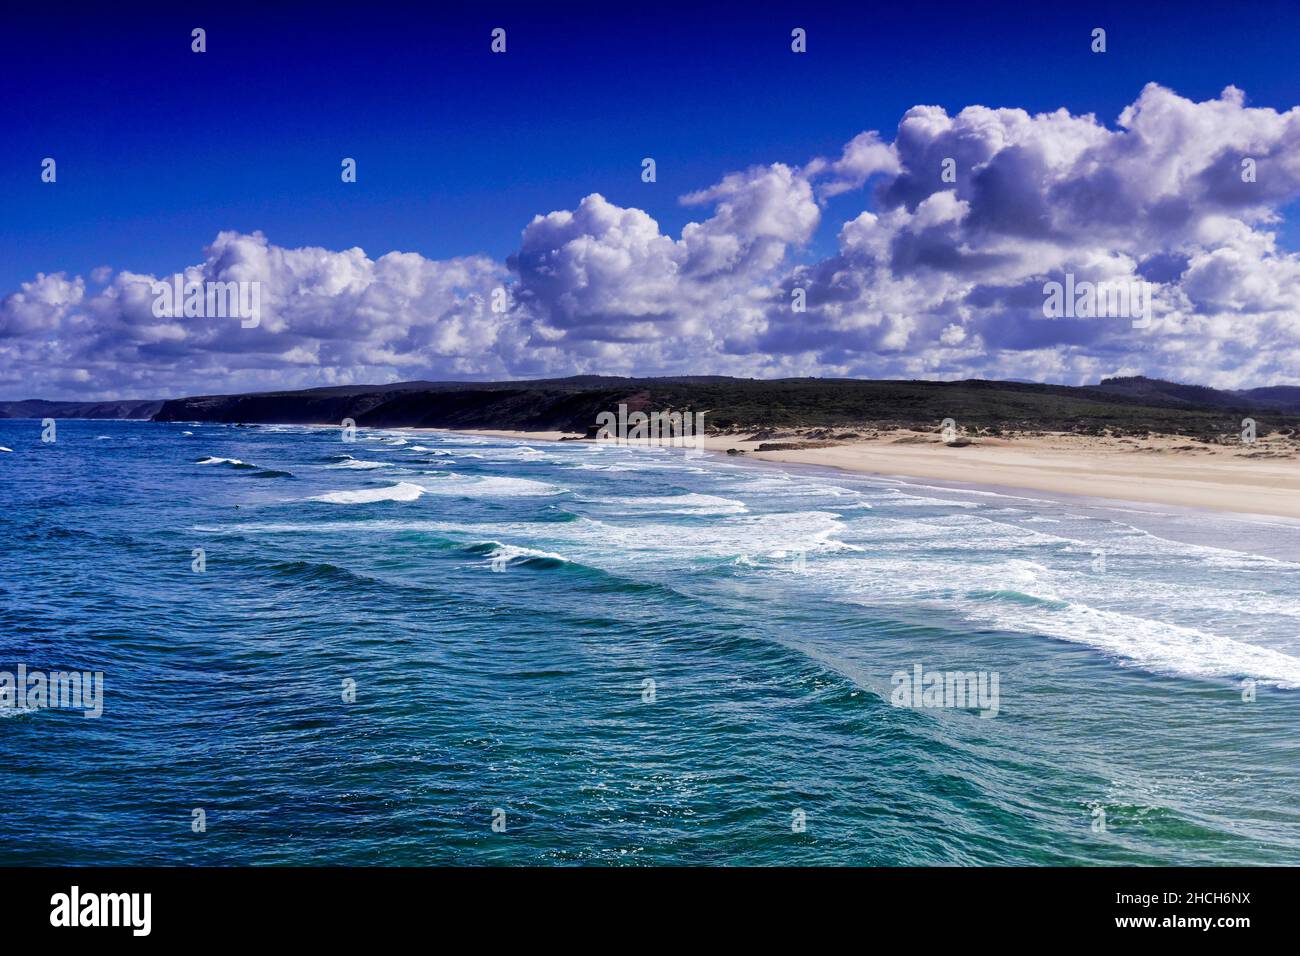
column 402, row 491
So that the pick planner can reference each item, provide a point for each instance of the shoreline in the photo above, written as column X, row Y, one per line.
column 1163, row 471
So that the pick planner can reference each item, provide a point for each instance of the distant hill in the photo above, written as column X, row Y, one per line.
column 1156, row 391
column 1285, row 397
column 36, row 408
column 1128, row 405
column 1125, row 405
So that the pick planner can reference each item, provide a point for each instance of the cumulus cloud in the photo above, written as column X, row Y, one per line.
column 863, row 157
column 936, row 276
column 944, row 278
column 604, row 275
column 326, row 318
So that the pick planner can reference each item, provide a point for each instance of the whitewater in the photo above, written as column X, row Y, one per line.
column 502, row 607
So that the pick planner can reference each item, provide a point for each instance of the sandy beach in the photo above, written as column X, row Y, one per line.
column 1261, row 479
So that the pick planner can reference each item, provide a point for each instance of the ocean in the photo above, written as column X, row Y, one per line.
column 438, row 648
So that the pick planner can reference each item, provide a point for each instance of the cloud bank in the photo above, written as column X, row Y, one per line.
column 964, row 218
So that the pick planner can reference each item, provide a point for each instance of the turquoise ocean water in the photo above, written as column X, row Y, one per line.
column 623, row 655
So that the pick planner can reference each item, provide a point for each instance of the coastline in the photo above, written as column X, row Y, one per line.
column 1165, row 471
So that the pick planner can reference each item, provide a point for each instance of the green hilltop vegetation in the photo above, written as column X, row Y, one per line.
column 1133, row 406
column 1127, row 406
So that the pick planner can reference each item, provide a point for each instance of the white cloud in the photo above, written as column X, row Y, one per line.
column 931, row 279
column 327, row 318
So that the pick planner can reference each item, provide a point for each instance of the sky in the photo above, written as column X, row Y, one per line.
column 777, row 174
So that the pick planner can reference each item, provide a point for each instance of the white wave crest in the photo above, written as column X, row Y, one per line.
column 688, row 504
column 358, row 464
column 512, row 552
column 489, row 486
column 402, row 491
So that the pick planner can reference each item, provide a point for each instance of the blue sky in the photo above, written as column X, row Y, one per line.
column 227, row 163
column 159, row 149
